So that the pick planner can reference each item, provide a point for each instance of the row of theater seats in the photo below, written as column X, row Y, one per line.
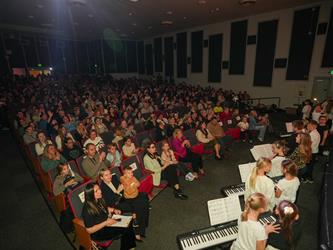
column 74, row 197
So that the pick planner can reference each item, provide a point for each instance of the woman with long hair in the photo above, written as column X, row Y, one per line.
column 97, row 217
column 251, row 234
column 303, row 153
column 204, row 136
column 258, row 182
column 279, row 149
column 66, row 179
column 51, row 158
column 63, row 134
column 288, row 217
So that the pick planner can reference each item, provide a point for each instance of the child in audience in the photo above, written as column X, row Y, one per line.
column 129, row 148
column 315, row 141
column 258, row 182
column 298, row 127
column 317, row 112
column 113, row 155
column 286, row 188
column 291, row 228
column 244, row 127
column 306, row 111
column 252, row 235
column 131, row 192
column 279, row 150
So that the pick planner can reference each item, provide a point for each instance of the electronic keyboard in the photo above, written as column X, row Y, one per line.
column 215, row 235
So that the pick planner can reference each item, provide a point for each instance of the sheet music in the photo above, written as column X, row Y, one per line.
column 264, row 150
column 245, row 170
column 289, row 127
column 125, row 220
column 224, row 210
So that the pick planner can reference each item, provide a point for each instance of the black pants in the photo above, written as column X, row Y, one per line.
column 109, row 233
column 139, row 206
column 309, row 167
column 170, row 175
column 194, row 159
column 182, row 168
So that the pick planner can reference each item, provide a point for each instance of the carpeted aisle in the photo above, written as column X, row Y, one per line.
column 25, row 219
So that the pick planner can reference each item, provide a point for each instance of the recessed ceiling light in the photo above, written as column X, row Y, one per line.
column 31, row 17
column 169, row 12
column 202, row 1
column 211, row 11
column 217, row 9
column 132, row 32
column 39, row 6
column 123, row 35
column 134, row 1
column 78, row 2
column 166, row 23
column 90, row 15
column 149, row 27
column 134, row 24
column 184, row 17
column 130, row 14
column 247, row 2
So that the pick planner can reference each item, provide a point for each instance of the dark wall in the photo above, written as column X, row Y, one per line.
column 158, row 54
column 182, row 55
column 215, row 58
column 328, row 51
column 196, row 51
column 237, row 47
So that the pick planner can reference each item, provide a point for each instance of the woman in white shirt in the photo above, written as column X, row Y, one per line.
column 204, row 136
column 279, row 149
column 286, row 188
column 258, row 182
column 41, row 144
column 252, row 235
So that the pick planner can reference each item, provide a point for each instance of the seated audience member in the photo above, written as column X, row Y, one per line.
column 182, row 148
column 131, row 132
column 302, row 154
column 99, row 126
column 317, row 112
column 93, row 162
column 94, row 139
column 204, row 136
column 279, row 150
column 71, row 151
column 129, row 148
column 323, row 130
column 189, row 123
column 68, row 123
column 66, row 179
column 286, row 188
column 236, row 118
column 51, row 158
column 139, row 119
column 168, row 156
column 44, row 123
column 171, row 126
column 315, row 142
column 291, row 228
column 113, row 155
column 152, row 162
column 41, row 143
column 306, row 110
column 118, row 136
column 218, row 108
column 30, row 135
column 161, row 132
column 97, row 218
column 217, row 131
column 258, row 182
column 151, row 122
column 243, row 124
column 252, row 235
column 60, row 138
column 81, row 133
column 256, row 126
column 132, row 196
column 298, row 127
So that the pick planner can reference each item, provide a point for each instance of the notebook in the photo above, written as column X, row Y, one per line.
column 125, row 220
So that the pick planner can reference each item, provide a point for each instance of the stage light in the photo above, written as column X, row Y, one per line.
column 315, row 99
column 51, row 68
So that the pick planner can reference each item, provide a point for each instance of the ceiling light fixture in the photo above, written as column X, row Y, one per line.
column 90, row 15
column 130, row 14
column 217, row 9
column 202, row 2
column 134, row 1
column 246, row 3
column 31, row 17
column 134, row 24
column 149, row 27
column 166, row 23
column 39, row 6
column 169, row 12
column 184, row 17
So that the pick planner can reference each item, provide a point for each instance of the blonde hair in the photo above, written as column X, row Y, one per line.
column 176, row 131
column 261, row 163
column 254, row 202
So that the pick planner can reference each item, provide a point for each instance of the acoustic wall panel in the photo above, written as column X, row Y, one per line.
column 131, row 53
column 120, row 55
column 301, row 44
column 141, row 57
column 328, row 51
column 109, row 56
column 168, row 56
column 196, row 51
column 266, row 42
column 237, row 47
column 158, row 54
column 149, row 59
column 215, row 58
column 182, row 55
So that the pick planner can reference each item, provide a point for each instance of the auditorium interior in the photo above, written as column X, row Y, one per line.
column 164, row 124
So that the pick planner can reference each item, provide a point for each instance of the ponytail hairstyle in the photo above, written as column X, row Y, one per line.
column 290, row 167
column 288, row 213
column 281, row 144
column 254, row 202
column 305, row 147
column 261, row 163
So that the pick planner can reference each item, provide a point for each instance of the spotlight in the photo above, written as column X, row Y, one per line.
column 50, row 68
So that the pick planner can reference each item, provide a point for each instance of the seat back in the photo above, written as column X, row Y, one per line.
column 142, row 138
column 135, row 164
column 76, row 199
column 82, row 235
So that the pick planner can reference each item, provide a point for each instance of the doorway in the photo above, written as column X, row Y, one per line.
column 322, row 88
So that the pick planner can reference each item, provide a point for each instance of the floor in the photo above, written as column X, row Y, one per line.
column 27, row 223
